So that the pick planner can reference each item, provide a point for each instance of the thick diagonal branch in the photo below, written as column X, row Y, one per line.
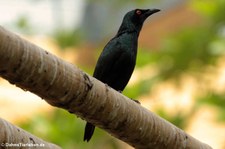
column 64, row 85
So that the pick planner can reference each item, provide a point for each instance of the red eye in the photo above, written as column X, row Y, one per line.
column 138, row 12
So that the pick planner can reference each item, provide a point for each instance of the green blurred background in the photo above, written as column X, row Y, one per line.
column 180, row 71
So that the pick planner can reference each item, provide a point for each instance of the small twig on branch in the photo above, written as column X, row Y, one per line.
column 15, row 137
column 63, row 85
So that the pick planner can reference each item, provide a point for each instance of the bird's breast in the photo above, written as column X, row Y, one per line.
column 129, row 42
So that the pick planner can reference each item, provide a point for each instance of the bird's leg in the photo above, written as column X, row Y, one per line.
column 131, row 98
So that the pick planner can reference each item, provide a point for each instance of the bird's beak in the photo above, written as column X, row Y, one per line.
column 149, row 12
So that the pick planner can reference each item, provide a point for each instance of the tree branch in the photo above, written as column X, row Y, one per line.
column 64, row 85
column 15, row 137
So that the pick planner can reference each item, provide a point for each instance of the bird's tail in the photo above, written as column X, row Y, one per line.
column 89, row 130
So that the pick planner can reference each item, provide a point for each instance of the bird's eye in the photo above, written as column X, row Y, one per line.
column 138, row 12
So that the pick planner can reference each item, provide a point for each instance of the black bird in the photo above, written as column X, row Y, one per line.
column 117, row 60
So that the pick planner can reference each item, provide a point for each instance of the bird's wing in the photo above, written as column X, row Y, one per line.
column 115, row 65
column 109, row 56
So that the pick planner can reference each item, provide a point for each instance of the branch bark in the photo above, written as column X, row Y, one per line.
column 15, row 137
column 63, row 85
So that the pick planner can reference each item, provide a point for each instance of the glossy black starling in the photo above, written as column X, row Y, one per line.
column 117, row 60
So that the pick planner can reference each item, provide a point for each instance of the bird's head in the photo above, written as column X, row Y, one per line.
column 134, row 19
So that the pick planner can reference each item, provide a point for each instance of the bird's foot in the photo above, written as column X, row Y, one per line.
column 120, row 91
column 131, row 98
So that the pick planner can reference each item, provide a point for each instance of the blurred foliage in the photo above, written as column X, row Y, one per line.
column 23, row 24
column 213, row 10
column 145, row 57
column 179, row 119
column 216, row 100
column 141, row 88
column 67, row 38
column 189, row 50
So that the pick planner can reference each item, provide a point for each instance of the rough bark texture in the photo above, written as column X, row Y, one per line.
column 63, row 85
column 15, row 137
